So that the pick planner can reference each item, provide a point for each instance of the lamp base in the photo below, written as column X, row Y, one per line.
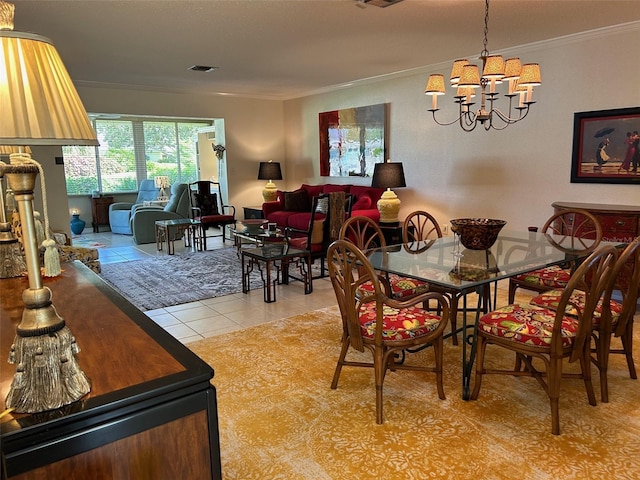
column 44, row 351
column 270, row 192
column 389, row 207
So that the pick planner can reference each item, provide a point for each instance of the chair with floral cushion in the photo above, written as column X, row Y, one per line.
column 379, row 323
column 616, row 320
column 419, row 231
column 547, row 336
column 365, row 233
column 574, row 231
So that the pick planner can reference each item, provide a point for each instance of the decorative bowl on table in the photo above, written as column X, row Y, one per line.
column 477, row 233
column 252, row 226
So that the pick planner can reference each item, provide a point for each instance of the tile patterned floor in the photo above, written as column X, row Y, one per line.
column 197, row 320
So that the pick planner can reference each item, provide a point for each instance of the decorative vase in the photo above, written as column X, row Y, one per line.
column 77, row 224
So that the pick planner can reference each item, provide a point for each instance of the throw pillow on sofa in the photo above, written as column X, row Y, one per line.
column 297, row 201
column 363, row 203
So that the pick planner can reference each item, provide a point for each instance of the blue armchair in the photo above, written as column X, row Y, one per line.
column 143, row 220
column 120, row 212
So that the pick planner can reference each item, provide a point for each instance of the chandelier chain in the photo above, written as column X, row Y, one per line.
column 485, row 52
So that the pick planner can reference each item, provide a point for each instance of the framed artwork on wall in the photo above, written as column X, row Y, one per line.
column 605, row 146
column 353, row 140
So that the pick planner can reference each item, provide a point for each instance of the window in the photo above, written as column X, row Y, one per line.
column 131, row 150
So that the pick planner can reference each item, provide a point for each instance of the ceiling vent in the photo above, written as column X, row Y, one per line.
column 379, row 3
column 202, row 68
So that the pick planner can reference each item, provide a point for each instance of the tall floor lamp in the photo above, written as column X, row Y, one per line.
column 40, row 106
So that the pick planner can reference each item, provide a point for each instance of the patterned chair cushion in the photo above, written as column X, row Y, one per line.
column 527, row 324
column 401, row 287
column 552, row 277
column 551, row 299
column 405, row 324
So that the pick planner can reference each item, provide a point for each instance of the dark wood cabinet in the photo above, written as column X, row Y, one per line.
column 392, row 233
column 619, row 223
column 151, row 412
column 100, row 212
column 252, row 212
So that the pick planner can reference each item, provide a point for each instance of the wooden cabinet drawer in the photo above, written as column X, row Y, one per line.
column 618, row 227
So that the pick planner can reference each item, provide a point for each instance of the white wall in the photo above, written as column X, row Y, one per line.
column 513, row 174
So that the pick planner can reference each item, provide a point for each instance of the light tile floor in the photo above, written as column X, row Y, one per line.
column 197, row 320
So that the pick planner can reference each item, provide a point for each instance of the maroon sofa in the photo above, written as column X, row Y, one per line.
column 298, row 211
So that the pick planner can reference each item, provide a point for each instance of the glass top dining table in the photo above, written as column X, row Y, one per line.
column 446, row 263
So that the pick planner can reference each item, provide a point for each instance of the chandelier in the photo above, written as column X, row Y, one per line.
column 465, row 77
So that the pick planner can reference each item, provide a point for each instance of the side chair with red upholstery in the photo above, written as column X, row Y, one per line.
column 548, row 337
column 208, row 207
column 419, row 231
column 615, row 320
column 381, row 324
column 574, row 231
column 365, row 233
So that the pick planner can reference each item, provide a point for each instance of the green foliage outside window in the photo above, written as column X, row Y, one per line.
column 131, row 151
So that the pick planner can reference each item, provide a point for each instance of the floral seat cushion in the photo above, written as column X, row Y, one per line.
column 551, row 299
column 405, row 324
column 401, row 287
column 552, row 277
column 527, row 324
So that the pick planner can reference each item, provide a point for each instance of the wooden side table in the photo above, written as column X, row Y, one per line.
column 100, row 212
column 392, row 233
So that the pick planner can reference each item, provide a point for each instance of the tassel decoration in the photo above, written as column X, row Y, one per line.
column 51, row 258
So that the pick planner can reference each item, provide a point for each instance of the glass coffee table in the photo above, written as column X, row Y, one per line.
column 251, row 233
column 277, row 258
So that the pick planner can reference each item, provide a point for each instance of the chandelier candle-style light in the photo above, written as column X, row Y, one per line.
column 39, row 106
column 465, row 78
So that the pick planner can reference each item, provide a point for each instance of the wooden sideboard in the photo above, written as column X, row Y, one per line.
column 151, row 412
column 619, row 223
column 100, row 212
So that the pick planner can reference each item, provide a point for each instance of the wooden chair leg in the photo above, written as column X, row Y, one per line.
column 554, row 376
column 343, row 354
column 438, row 348
column 379, row 368
column 627, row 345
column 512, row 292
column 602, row 353
column 481, row 345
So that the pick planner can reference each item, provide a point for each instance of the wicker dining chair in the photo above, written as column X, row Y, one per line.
column 576, row 232
column 365, row 233
column 548, row 336
column 419, row 232
column 614, row 320
column 379, row 323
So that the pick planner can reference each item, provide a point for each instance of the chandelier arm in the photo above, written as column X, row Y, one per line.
column 459, row 118
column 509, row 120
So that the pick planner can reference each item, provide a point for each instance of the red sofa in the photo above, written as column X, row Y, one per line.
column 298, row 213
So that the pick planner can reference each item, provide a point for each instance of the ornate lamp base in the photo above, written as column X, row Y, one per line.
column 389, row 207
column 270, row 192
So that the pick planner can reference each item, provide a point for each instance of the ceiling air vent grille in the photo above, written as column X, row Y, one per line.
column 380, row 3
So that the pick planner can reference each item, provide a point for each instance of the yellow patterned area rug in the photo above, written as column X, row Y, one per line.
column 279, row 419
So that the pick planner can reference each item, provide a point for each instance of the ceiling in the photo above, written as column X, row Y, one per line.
column 282, row 49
